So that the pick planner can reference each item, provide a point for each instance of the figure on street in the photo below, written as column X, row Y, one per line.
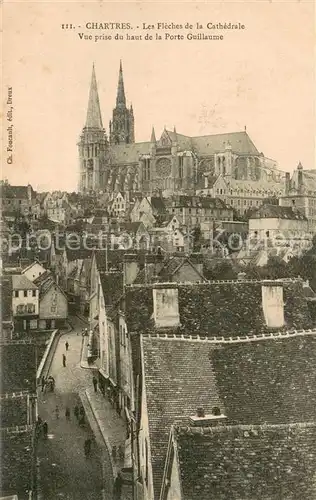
column 64, row 360
column 45, row 429
column 121, row 453
column 57, row 412
column 76, row 411
column 67, row 413
column 66, row 345
column 95, row 383
column 87, row 447
column 43, row 383
column 117, row 490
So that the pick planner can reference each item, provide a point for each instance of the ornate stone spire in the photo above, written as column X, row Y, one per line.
column 153, row 135
column 94, row 119
column 120, row 96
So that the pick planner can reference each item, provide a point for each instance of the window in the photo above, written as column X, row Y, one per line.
column 16, row 293
column 146, row 169
column 33, row 293
column 267, row 234
column 25, row 293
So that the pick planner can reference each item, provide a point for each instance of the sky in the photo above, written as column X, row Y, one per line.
column 262, row 77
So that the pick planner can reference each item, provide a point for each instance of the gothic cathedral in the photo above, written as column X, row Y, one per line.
column 173, row 164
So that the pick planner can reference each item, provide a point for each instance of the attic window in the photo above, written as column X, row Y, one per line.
column 273, row 306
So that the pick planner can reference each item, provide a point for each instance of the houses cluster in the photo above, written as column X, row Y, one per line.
column 208, row 376
column 31, row 301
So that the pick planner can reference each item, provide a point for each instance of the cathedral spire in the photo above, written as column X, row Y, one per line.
column 120, row 96
column 94, row 119
column 153, row 135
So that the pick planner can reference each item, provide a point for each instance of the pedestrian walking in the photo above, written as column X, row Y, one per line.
column 121, row 453
column 81, row 420
column 43, row 383
column 64, row 360
column 45, row 429
column 81, row 410
column 57, row 412
column 66, row 345
column 67, row 413
column 114, row 452
column 117, row 490
column 95, row 383
column 76, row 411
column 87, row 447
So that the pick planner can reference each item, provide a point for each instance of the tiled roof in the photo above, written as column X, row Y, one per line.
column 130, row 227
column 173, row 264
column 44, row 282
column 109, row 259
column 80, row 253
column 157, row 204
column 13, row 411
column 277, row 211
column 18, row 367
column 242, row 462
column 16, row 460
column 112, row 286
column 218, row 308
column 270, row 380
column 178, row 380
column 21, row 282
column 6, row 297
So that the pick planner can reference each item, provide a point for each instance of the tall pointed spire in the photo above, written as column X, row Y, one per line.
column 153, row 135
column 94, row 119
column 120, row 96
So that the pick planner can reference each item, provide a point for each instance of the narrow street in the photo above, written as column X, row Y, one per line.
column 65, row 472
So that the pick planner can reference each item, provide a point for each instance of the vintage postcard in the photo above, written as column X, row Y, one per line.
column 158, row 250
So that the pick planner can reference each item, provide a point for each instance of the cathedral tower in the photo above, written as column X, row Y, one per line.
column 122, row 124
column 93, row 144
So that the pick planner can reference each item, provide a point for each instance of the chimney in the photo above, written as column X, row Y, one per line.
column 287, row 183
column 200, row 419
column 131, row 268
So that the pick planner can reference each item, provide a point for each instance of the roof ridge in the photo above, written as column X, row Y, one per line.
column 207, row 430
column 231, row 340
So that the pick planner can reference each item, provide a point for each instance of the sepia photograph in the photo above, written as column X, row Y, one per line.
column 158, row 250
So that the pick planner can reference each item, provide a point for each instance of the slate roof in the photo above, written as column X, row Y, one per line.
column 178, row 380
column 199, row 202
column 112, row 286
column 21, row 375
column 15, row 459
column 277, row 212
column 242, row 462
column 270, row 380
column 13, row 411
column 218, row 308
column 21, row 282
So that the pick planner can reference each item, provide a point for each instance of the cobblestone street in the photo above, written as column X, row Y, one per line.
column 64, row 470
